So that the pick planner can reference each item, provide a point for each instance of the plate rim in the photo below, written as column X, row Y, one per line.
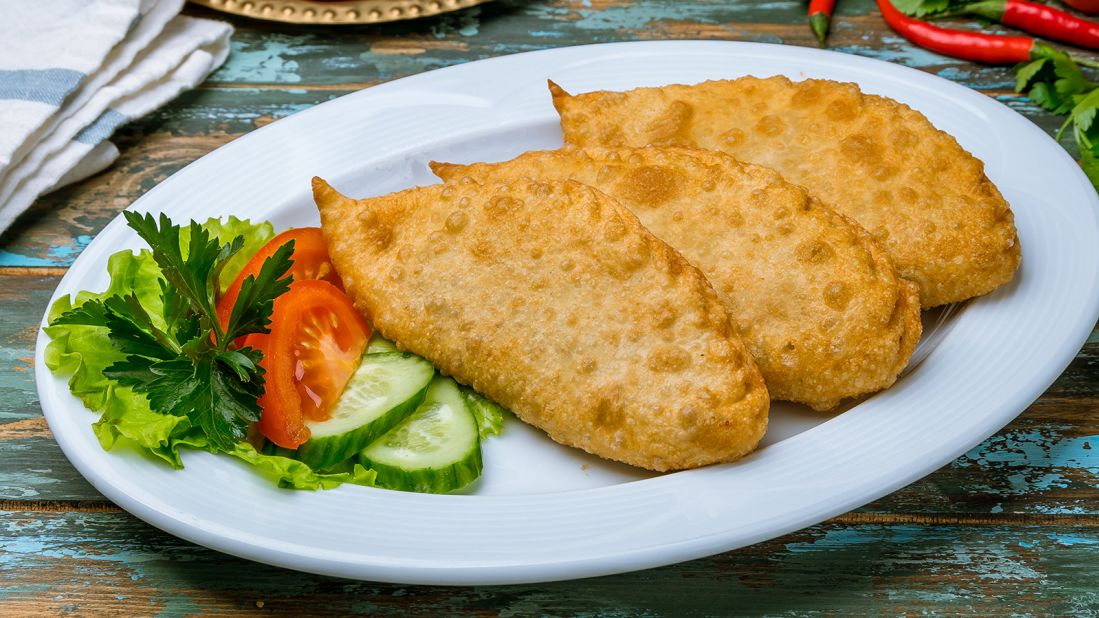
column 645, row 557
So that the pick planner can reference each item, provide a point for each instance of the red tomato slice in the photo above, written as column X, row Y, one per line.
column 310, row 262
column 317, row 338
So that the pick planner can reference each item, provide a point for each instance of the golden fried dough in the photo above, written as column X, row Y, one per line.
column 923, row 197
column 553, row 299
column 815, row 300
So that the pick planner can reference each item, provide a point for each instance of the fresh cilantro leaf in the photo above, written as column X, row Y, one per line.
column 1052, row 80
column 238, row 397
column 1081, row 119
column 1047, row 98
column 1055, row 81
column 186, row 274
column 252, row 311
column 1070, row 79
column 923, row 8
column 207, row 391
column 225, row 253
column 1089, row 162
column 1083, row 113
column 1026, row 72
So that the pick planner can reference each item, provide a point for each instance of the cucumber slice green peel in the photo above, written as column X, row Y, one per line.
column 489, row 414
column 385, row 389
column 435, row 450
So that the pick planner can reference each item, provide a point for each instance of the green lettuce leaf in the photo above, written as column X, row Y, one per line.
column 489, row 414
column 293, row 474
column 128, row 421
column 82, row 353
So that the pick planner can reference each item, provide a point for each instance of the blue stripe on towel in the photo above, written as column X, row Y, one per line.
column 102, row 128
column 49, row 86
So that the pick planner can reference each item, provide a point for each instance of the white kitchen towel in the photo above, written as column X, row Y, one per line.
column 71, row 71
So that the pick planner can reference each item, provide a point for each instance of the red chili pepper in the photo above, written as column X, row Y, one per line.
column 1091, row 7
column 820, row 18
column 973, row 46
column 1039, row 19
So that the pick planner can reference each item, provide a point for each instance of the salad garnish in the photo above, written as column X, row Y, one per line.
column 183, row 359
column 173, row 355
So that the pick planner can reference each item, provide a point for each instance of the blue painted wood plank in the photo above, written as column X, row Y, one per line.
column 89, row 563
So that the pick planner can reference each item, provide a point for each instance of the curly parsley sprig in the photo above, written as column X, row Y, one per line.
column 183, row 360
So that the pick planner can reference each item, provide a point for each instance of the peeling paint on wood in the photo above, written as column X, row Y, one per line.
column 1011, row 526
column 56, row 561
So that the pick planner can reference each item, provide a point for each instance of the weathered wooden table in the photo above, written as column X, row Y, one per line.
column 1012, row 526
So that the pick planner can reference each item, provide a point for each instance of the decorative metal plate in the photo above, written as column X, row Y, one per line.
column 340, row 12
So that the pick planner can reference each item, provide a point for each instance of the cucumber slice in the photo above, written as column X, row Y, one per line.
column 435, row 450
column 385, row 389
column 380, row 345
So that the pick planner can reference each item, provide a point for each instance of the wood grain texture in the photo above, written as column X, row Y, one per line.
column 87, row 562
column 1011, row 526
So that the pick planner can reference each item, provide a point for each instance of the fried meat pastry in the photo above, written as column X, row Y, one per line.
column 553, row 300
column 814, row 298
column 924, row 199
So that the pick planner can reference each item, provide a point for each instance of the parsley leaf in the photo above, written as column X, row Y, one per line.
column 91, row 313
column 180, row 359
column 1089, row 161
column 1026, row 73
column 219, row 403
column 923, row 8
column 132, row 330
column 1055, row 81
column 1047, row 97
column 193, row 274
column 1070, row 80
column 252, row 311
column 1052, row 80
column 1082, row 120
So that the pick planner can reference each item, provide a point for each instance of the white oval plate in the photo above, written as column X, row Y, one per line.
column 544, row 512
